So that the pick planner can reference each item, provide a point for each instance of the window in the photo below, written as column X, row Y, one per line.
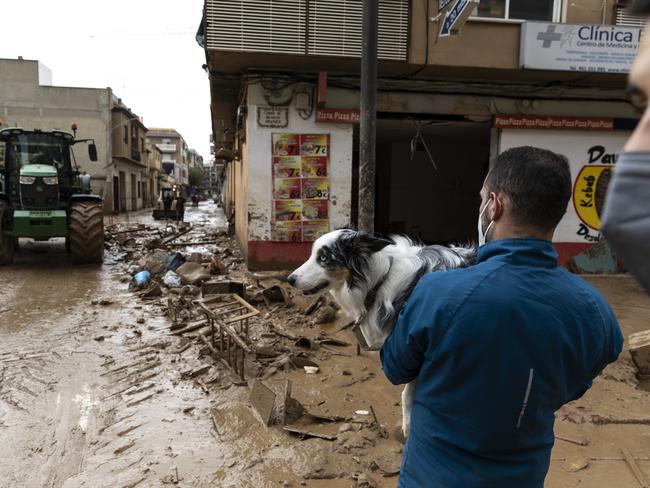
column 126, row 135
column 624, row 17
column 519, row 9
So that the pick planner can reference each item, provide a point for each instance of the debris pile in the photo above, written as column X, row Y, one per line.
column 250, row 330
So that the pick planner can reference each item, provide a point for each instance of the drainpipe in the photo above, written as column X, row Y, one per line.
column 368, row 127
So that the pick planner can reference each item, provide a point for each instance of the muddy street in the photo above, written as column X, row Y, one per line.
column 104, row 386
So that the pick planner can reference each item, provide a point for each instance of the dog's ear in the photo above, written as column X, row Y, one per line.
column 367, row 244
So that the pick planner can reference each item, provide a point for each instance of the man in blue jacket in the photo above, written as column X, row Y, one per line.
column 497, row 348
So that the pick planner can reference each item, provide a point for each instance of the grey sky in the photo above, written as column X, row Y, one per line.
column 143, row 49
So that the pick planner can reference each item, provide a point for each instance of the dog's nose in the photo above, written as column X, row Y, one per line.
column 292, row 280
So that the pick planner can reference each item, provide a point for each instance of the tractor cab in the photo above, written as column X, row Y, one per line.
column 38, row 169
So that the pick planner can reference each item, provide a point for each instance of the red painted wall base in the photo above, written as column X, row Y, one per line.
column 277, row 256
column 280, row 256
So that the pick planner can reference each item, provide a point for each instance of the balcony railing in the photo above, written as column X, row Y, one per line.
column 167, row 148
column 310, row 27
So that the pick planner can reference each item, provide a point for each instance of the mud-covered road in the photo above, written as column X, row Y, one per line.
column 94, row 392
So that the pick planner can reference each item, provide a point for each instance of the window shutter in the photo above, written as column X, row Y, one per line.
column 256, row 25
column 335, row 28
column 624, row 17
column 315, row 27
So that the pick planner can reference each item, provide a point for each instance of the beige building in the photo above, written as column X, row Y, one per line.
column 174, row 153
column 130, row 167
column 550, row 73
column 154, row 160
column 28, row 100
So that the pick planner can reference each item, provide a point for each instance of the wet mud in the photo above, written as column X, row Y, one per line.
column 95, row 391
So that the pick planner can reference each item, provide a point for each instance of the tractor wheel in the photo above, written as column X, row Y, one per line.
column 86, row 232
column 7, row 242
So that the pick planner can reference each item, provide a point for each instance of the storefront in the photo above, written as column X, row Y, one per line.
column 592, row 146
column 297, row 177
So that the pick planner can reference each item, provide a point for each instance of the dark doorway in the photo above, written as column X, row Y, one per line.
column 413, row 198
column 116, row 194
column 122, row 191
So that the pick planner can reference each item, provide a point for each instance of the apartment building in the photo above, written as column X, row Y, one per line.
column 130, row 165
column 28, row 100
column 284, row 79
column 174, row 153
column 154, row 160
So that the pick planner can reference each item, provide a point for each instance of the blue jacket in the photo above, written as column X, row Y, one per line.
column 496, row 349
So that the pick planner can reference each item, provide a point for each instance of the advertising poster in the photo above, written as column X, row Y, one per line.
column 288, row 210
column 289, row 231
column 315, row 209
column 312, row 230
column 287, row 167
column 314, row 166
column 287, row 188
column 301, row 186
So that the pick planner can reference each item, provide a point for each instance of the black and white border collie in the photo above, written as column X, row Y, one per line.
column 371, row 279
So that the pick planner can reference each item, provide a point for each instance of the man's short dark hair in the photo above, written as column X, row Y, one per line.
column 537, row 183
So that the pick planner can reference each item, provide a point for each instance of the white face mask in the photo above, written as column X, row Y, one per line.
column 482, row 235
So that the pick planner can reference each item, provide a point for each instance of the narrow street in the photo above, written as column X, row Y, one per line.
column 96, row 391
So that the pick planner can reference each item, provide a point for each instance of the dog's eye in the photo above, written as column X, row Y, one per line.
column 323, row 258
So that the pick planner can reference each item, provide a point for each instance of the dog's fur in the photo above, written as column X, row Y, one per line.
column 372, row 278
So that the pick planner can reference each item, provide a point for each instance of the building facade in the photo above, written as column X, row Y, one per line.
column 284, row 80
column 28, row 100
column 130, row 166
column 174, row 154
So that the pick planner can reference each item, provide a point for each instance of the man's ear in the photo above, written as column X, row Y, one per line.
column 497, row 207
column 367, row 244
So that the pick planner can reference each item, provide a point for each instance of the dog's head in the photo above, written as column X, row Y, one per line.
column 337, row 257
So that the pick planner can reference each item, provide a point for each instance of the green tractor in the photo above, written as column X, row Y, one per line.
column 42, row 195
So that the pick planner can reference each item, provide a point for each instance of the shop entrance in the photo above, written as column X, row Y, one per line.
column 435, row 206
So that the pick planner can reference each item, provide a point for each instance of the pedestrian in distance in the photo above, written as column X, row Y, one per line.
column 626, row 219
column 180, row 207
column 497, row 348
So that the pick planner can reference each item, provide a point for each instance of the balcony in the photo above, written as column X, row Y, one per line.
column 167, row 148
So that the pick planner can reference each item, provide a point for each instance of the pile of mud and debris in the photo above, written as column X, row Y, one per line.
column 294, row 397
column 305, row 373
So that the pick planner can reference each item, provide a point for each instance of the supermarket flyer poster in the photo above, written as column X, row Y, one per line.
column 285, row 144
column 314, row 166
column 287, row 167
column 287, row 188
column 315, row 209
column 315, row 188
column 290, row 231
column 312, row 230
column 288, row 210
column 314, row 144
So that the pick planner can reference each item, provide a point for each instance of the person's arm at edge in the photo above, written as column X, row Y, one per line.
column 626, row 218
